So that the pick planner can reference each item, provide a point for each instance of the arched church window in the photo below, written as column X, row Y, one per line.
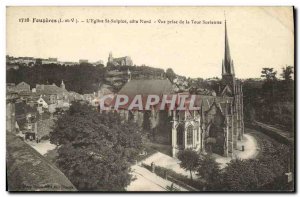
column 189, row 135
column 180, row 132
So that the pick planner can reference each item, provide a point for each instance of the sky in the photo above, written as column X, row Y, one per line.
column 258, row 37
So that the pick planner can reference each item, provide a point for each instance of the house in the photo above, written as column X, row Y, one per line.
column 28, row 97
column 53, row 89
column 25, row 116
column 11, row 98
column 53, row 94
column 46, row 61
column 43, row 102
column 83, row 61
column 12, row 66
column 22, row 87
column 88, row 97
column 74, row 96
column 30, row 131
column 10, row 87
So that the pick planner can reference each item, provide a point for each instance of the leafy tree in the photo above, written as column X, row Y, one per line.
column 287, row 73
column 189, row 160
column 268, row 73
column 246, row 175
column 210, row 171
column 170, row 74
column 94, row 149
column 269, row 85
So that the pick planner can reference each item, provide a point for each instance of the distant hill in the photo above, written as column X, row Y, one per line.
column 83, row 78
column 87, row 78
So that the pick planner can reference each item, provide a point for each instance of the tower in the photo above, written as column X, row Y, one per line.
column 228, row 75
column 62, row 85
column 110, row 57
column 232, row 88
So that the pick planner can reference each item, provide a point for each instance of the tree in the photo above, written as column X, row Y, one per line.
column 287, row 72
column 246, row 175
column 170, row 74
column 271, row 101
column 270, row 82
column 189, row 160
column 210, row 171
column 94, row 149
column 268, row 74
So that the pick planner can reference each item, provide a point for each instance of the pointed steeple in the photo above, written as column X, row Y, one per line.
column 227, row 65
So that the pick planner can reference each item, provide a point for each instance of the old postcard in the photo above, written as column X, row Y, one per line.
column 131, row 99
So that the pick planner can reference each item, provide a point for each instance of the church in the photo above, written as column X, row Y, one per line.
column 120, row 61
column 214, row 128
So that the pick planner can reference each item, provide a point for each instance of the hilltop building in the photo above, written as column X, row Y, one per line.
column 83, row 61
column 120, row 61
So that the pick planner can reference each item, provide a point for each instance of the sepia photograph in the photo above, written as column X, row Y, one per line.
column 150, row 99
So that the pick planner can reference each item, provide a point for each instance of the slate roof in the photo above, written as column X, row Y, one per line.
column 26, row 93
column 46, row 99
column 49, row 89
column 164, row 87
column 147, row 87
column 27, row 170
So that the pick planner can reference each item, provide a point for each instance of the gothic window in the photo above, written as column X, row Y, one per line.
column 180, row 132
column 189, row 135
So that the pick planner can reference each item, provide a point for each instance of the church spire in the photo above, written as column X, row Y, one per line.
column 227, row 64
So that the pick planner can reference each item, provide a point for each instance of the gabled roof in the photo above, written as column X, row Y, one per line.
column 46, row 99
column 227, row 91
column 208, row 101
column 49, row 89
column 23, row 83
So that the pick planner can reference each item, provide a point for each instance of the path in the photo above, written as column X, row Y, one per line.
column 42, row 147
column 148, row 181
column 166, row 161
column 251, row 150
column 280, row 132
